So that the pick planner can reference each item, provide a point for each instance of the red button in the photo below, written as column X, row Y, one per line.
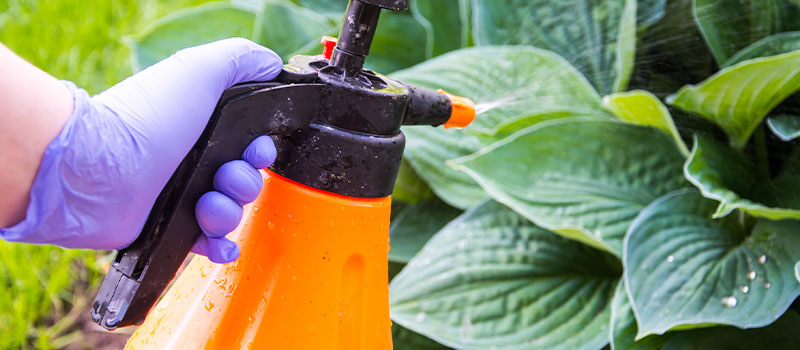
column 329, row 42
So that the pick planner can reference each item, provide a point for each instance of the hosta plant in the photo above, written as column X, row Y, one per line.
column 632, row 180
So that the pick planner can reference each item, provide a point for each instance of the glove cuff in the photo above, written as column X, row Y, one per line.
column 51, row 218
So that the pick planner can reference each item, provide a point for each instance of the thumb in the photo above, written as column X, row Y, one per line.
column 197, row 74
column 169, row 103
column 231, row 61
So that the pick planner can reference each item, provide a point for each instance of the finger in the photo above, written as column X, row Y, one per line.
column 261, row 152
column 217, row 214
column 201, row 246
column 218, row 250
column 239, row 181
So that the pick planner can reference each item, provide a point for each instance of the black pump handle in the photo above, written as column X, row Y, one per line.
column 141, row 272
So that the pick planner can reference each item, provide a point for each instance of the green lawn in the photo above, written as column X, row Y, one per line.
column 45, row 289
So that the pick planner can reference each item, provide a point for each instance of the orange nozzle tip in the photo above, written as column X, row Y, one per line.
column 463, row 111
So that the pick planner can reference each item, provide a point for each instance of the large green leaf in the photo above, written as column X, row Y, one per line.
column 506, row 83
column 783, row 334
column 585, row 33
column 786, row 127
column 521, row 122
column 428, row 148
column 492, row 280
column 731, row 178
column 683, row 268
column 730, row 25
column 772, row 45
column 253, row 6
column 739, row 97
column 415, row 224
column 797, row 271
column 642, row 107
column 189, row 27
column 405, row 339
column 625, row 47
column 333, row 8
column 585, row 178
column 286, row 28
column 650, row 11
column 623, row 326
column 445, row 23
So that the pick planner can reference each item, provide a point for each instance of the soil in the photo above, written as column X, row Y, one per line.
column 97, row 338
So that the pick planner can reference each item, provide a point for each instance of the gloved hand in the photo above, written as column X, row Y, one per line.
column 100, row 177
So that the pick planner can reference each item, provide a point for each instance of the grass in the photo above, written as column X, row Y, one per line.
column 41, row 285
column 43, row 289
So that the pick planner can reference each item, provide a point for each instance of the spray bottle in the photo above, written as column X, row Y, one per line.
column 312, row 273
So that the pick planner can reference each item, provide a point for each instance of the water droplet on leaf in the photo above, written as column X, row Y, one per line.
column 729, row 301
column 670, row 258
column 751, row 275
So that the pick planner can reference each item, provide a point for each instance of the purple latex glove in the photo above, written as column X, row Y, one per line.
column 101, row 175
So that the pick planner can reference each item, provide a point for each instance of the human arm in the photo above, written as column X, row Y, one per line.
column 101, row 172
column 34, row 107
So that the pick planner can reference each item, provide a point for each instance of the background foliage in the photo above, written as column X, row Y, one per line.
column 606, row 200
column 632, row 180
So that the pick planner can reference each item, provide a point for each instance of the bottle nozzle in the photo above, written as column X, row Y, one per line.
column 428, row 107
column 463, row 113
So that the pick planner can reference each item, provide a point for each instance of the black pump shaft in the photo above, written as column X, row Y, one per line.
column 358, row 30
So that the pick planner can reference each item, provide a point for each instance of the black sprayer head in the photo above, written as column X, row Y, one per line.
column 336, row 127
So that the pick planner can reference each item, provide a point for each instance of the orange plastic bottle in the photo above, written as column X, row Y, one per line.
column 313, row 269
column 312, row 275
